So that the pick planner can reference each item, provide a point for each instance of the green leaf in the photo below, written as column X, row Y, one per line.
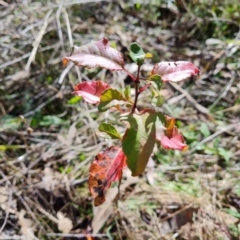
column 191, row 187
column 82, row 157
column 110, row 130
column 127, row 94
column 113, row 44
column 225, row 154
column 204, row 130
column 137, row 54
column 232, row 212
column 234, row 229
column 138, row 6
column 74, row 100
column 157, row 99
column 50, row 120
column 10, row 123
column 111, row 98
column 139, row 139
column 156, row 85
column 157, row 80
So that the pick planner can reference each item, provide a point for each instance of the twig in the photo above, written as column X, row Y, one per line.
column 118, row 228
column 40, row 106
column 65, row 72
column 233, row 108
column 224, row 129
column 16, row 60
column 3, row 3
column 51, row 5
column 223, row 94
column 12, row 238
column 177, row 212
column 30, row 212
column 211, row 137
column 38, row 40
column 59, row 25
column 119, row 193
column 76, row 235
column 68, row 27
column 199, row 107
column 9, row 201
column 47, row 214
column 131, row 75
column 2, row 109
column 136, row 85
column 124, row 225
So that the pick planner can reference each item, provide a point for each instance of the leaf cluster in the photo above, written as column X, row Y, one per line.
column 144, row 128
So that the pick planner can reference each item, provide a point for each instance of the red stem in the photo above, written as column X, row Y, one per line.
column 132, row 76
column 136, row 85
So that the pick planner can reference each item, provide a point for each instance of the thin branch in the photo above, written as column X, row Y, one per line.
column 119, row 192
column 131, row 75
column 211, row 137
column 223, row 93
column 37, row 41
column 9, row 201
column 199, row 107
column 136, row 85
column 75, row 235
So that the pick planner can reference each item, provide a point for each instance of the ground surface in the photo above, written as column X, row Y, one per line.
column 48, row 137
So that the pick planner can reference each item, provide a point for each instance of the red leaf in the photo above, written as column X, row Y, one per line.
column 91, row 91
column 105, row 169
column 175, row 71
column 97, row 53
column 172, row 138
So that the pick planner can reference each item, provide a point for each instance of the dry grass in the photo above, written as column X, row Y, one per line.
column 47, row 140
